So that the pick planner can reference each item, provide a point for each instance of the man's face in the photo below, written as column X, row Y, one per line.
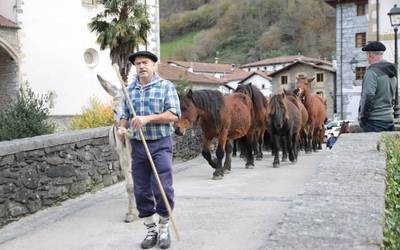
column 144, row 67
column 370, row 57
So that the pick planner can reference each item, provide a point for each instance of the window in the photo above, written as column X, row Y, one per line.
column 360, row 40
column 284, row 79
column 360, row 71
column 320, row 77
column 360, row 9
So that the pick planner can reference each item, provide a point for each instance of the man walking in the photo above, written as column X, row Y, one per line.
column 378, row 91
column 156, row 103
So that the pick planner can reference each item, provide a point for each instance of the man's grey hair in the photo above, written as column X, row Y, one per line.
column 377, row 53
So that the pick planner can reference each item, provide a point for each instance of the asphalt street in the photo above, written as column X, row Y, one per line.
column 238, row 212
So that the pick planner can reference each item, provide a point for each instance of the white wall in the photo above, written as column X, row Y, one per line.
column 259, row 81
column 54, row 36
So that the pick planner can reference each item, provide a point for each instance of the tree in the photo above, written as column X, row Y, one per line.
column 121, row 27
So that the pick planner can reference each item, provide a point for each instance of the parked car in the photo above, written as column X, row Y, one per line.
column 334, row 127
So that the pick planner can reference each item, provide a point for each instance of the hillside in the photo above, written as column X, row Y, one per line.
column 241, row 31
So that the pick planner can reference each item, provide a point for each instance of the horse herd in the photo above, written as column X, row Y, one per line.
column 286, row 122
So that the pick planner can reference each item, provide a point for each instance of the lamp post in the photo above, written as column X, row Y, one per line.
column 394, row 15
column 353, row 63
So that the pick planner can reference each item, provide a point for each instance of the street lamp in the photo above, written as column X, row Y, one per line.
column 394, row 15
column 353, row 63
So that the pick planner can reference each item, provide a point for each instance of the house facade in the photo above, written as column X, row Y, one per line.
column 261, row 80
column 357, row 22
column 323, row 84
column 58, row 55
column 277, row 63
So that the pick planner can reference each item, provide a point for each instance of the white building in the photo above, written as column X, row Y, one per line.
column 57, row 53
column 261, row 80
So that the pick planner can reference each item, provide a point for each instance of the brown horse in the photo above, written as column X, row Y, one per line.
column 259, row 125
column 284, row 124
column 316, row 108
column 344, row 128
column 304, row 117
column 222, row 117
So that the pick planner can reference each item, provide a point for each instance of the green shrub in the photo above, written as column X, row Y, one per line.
column 95, row 115
column 26, row 117
column 391, row 231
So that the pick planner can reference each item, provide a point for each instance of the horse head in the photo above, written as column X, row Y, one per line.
column 189, row 113
column 303, row 86
column 345, row 127
column 278, row 113
column 114, row 92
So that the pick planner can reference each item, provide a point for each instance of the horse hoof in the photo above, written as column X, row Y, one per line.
column 284, row 160
column 275, row 165
column 217, row 177
column 227, row 171
column 258, row 158
column 249, row 166
column 130, row 217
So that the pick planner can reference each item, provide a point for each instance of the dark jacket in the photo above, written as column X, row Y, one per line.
column 378, row 92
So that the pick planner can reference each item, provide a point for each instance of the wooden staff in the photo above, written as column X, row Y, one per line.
column 153, row 167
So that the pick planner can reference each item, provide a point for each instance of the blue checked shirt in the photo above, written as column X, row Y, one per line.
column 156, row 97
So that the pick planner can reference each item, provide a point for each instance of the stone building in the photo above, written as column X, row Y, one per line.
column 357, row 22
column 323, row 84
column 9, row 61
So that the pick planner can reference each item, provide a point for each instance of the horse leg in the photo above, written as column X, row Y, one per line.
column 234, row 148
column 228, row 157
column 294, row 149
column 290, row 147
column 248, row 140
column 219, row 173
column 260, row 142
column 275, row 150
column 124, row 153
column 283, row 142
column 207, row 154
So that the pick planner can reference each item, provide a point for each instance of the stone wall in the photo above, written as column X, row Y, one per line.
column 42, row 171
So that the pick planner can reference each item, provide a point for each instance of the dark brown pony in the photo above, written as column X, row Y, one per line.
column 316, row 108
column 284, row 124
column 259, row 125
column 304, row 131
column 222, row 117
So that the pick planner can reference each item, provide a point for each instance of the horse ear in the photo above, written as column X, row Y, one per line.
column 250, row 84
column 285, row 91
column 110, row 88
column 190, row 94
column 310, row 79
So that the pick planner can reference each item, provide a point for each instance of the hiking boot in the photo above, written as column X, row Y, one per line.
column 151, row 237
column 164, row 239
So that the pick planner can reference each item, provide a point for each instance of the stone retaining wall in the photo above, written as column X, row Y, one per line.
column 343, row 204
column 41, row 171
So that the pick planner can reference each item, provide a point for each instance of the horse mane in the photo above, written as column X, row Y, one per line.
column 256, row 95
column 211, row 101
column 275, row 103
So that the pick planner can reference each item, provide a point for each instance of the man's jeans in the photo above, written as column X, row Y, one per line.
column 377, row 126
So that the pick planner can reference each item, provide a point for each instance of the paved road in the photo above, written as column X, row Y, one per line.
column 237, row 212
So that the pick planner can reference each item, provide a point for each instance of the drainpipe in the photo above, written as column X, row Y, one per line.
column 377, row 20
column 341, row 60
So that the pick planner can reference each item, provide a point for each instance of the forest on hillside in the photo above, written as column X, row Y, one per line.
column 241, row 31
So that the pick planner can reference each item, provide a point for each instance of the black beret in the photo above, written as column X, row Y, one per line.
column 374, row 46
column 143, row 53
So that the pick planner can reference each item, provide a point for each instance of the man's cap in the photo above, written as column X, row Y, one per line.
column 374, row 46
column 142, row 53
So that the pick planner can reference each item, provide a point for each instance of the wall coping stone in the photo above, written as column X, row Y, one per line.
column 44, row 141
